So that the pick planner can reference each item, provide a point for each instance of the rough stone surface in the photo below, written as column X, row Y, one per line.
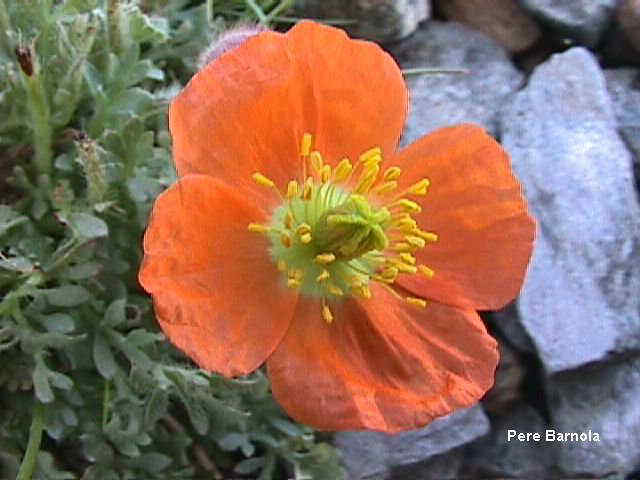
column 628, row 17
column 441, row 100
column 580, row 300
column 581, row 20
column 603, row 399
column 378, row 20
column 495, row 456
column 507, row 321
column 503, row 20
column 445, row 466
column 373, row 455
column 623, row 85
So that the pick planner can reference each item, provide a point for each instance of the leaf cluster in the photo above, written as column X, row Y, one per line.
column 84, row 151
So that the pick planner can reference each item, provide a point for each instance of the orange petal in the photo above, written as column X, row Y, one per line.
column 476, row 207
column 381, row 364
column 216, row 292
column 354, row 95
column 241, row 114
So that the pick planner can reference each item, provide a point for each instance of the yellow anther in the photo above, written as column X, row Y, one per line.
column 296, row 273
column 370, row 153
column 293, row 283
column 389, row 273
column 288, row 220
column 428, row 236
column 325, row 173
column 418, row 302
column 374, row 159
column 426, row 271
column 308, row 189
column 325, row 258
column 258, row 228
column 323, row 276
column 385, row 188
column 262, row 180
column 355, row 282
column 391, row 291
column 408, row 258
column 316, row 160
column 285, row 238
column 305, row 238
column 391, row 173
column 367, row 179
column 420, row 188
column 303, row 228
column 403, row 247
column 407, row 205
column 381, row 279
column 406, row 268
column 326, row 314
column 293, row 189
column 282, row 265
column 417, row 242
column 334, row 290
column 363, row 291
column 406, row 224
column 343, row 170
column 305, row 144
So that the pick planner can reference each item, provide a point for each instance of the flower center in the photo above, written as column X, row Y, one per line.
column 339, row 229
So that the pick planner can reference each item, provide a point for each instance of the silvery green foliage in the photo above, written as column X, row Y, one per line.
column 84, row 150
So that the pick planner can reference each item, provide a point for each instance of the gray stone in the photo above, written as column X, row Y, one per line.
column 496, row 456
column 581, row 20
column 623, row 85
column 378, row 20
column 603, row 399
column 507, row 321
column 373, row 455
column 580, row 300
column 445, row 466
column 447, row 99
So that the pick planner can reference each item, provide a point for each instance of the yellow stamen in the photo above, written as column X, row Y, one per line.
column 316, row 161
column 363, row 291
column 367, row 179
column 405, row 268
column 415, row 241
column 325, row 258
column 325, row 173
column 334, row 290
column 370, row 153
column 258, row 228
column 293, row 189
column 418, row 302
column 343, row 170
column 305, row 238
column 428, row 236
column 408, row 258
column 407, row 205
column 308, row 189
column 296, row 273
column 391, row 173
column 323, row 276
column 420, row 188
column 305, row 144
column 392, row 291
column 260, row 179
column 389, row 273
column 293, row 283
column 403, row 247
column 282, row 265
column 374, row 159
column 326, row 314
column 303, row 228
column 385, row 188
column 288, row 220
column 426, row 271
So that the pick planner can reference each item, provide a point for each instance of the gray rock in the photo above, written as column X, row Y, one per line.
column 507, row 321
column 607, row 404
column 441, row 100
column 378, row 20
column 445, row 466
column 581, row 20
column 580, row 300
column 496, row 456
column 623, row 85
column 373, row 455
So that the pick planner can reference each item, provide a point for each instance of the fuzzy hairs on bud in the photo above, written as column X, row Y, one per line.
column 228, row 40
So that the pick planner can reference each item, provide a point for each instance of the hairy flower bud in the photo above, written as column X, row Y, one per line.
column 228, row 40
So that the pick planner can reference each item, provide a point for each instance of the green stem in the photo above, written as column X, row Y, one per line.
column 33, row 447
column 5, row 43
column 281, row 7
column 106, row 401
column 258, row 11
column 40, row 121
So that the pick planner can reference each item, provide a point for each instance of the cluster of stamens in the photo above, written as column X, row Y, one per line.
column 340, row 228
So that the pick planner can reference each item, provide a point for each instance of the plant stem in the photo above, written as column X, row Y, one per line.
column 106, row 401
column 33, row 446
column 258, row 11
column 40, row 120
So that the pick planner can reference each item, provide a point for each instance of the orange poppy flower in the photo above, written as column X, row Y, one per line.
column 298, row 235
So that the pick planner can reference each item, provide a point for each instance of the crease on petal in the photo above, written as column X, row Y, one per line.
column 217, row 294
column 476, row 206
column 381, row 364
